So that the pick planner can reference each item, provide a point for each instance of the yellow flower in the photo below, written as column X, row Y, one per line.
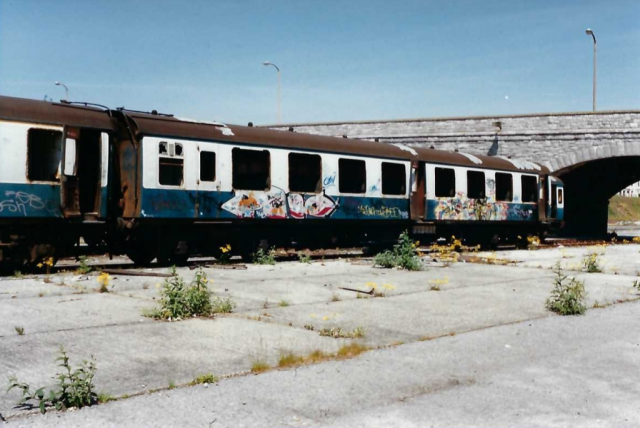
column 389, row 286
column 103, row 279
column 371, row 284
column 40, row 265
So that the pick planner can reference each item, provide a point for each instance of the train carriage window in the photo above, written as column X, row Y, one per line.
column 207, row 166
column 560, row 196
column 44, row 153
column 352, row 176
column 251, row 169
column 445, row 183
column 170, row 164
column 475, row 185
column 529, row 188
column 305, row 173
column 504, row 187
column 394, row 179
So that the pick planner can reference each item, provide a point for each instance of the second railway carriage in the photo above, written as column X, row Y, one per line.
column 156, row 186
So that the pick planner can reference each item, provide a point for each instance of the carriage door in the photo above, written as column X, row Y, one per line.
column 554, row 192
column 418, row 186
column 69, row 180
column 82, row 172
column 208, row 181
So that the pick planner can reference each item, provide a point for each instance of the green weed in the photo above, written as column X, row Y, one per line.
column 259, row 366
column 19, row 330
column 339, row 333
column 403, row 255
column 222, row 306
column 591, row 263
column 205, row 378
column 567, row 296
column 84, row 267
column 284, row 304
column 262, row 257
column 304, row 258
column 74, row 387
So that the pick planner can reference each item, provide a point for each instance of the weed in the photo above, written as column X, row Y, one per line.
column 435, row 288
column 533, row 242
column 172, row 384
column 403, row 255
column 47, row 280
column 379, row 293
column 225, row 255
column 335, row 297
column 289, row 359
column 636, row 285
column 222, row 306
column 436, row 283
column 339, row 333
column 351, row 350
column 180, row 300
column 361, row 296
column 262, row 257
column 103, row 280
column 304, row 258
column 84, row 267
column 259, row 366
column 309, row 327
column 75, row 387
column 597, row 305
column 317, row 356
column 103, row 397
column 265, row 305
column 205, row 378
column 448, row 253
column 19, row 330
column 283, row 304
column 145, row 286
column 567, row 296
column 18, row 274
column 41, row 294
column 591, row 263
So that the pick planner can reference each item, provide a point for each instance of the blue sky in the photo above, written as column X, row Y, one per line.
column 340, row 60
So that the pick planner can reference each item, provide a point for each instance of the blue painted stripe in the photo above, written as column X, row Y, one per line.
column 274, row 204
column 29, row 200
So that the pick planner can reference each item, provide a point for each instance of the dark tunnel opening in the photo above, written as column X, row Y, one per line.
column 588, row 188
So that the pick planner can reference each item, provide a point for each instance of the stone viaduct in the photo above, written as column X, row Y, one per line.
column 596, row 154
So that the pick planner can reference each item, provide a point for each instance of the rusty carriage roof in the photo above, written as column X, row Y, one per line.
column 169, row 126
column 51, row 113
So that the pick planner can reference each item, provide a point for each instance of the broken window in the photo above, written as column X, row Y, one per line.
column 475, row 185
column 305, row 172
column 352, row 176
column 207, row 166
column 529, row 188
column 44, row 153
column 445, row 183
column 251, row 169
column 504, row 187
column 560, row 196
column 170, row 164
column 394, row 179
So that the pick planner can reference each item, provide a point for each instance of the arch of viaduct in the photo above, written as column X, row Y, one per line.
column 596, row 154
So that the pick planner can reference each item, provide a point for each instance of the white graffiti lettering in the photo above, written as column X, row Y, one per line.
column 20, row 202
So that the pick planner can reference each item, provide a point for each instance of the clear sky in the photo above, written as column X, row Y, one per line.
column 340, row 60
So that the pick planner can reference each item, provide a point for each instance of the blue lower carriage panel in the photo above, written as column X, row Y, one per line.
column 29, row 200
column 465, row 209
column 272, row 204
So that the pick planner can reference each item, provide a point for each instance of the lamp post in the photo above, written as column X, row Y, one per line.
column 595, row 65
column 267, row 63
column 66, row 90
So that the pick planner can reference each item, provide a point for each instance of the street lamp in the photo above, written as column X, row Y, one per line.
column 267, row 63
column 595, row 69
column 66, row 90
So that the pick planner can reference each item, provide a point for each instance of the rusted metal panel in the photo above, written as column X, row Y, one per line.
column 43, row 112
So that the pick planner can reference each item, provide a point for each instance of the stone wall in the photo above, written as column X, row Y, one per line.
column 557, row 140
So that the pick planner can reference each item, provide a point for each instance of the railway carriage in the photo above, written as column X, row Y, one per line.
column 155, row 186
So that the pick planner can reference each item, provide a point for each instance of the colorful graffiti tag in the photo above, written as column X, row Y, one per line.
column 462, row 208
column 384, row 212
column 277, row 204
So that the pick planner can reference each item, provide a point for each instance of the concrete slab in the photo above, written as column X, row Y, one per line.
column 556, row 372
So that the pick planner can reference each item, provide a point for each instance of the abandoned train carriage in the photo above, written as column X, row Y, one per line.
column 155, row 186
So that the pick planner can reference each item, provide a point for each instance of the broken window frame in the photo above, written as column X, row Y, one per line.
column 504, row 194
column 533, row 181
column 444, row 182
column 34, row 170
column 296, row 179
column 234, row 170
column 173, row 160
column 348, row 168
column 390, row 179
